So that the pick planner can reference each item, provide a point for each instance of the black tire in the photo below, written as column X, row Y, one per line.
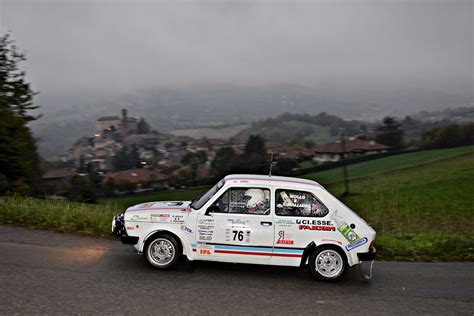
column 331, row 270
column 162, row 241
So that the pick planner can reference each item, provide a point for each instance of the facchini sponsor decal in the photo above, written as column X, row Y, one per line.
column 315, row 224
column 316, row 227
column 356, row 244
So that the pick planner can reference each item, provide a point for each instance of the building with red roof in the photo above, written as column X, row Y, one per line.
column 355, row 147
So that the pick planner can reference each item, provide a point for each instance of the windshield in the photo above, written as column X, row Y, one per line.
column 203, row 198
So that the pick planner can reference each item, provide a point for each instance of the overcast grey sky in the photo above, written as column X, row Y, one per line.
column 126, row 45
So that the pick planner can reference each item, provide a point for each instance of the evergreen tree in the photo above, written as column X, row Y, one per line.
column 389, row 133
column 255, row 155
column 285, row 166
column 19, row 160
column 127, row 158
column 224, row 161
column 82, row 165
column 143, row 127
column 80, row 189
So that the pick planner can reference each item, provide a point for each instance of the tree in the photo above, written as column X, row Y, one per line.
column 255, row 157
column 80, row 189
column 82, row 165
column 94, row 178
column 199, row 156
column 19, row 160
column 224, row 161
column 449, row 136
column 285, row 166
column 127, row 158
column 143, row 127
column 389, row 133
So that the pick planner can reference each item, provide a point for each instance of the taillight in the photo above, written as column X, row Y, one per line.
column 372, row 246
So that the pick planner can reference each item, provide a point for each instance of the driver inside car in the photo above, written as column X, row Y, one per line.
column 256, row 201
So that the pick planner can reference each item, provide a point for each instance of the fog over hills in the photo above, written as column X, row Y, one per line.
column 201, row 106
column 203, row 63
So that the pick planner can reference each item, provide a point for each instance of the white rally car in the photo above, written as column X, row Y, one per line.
column 253, row 219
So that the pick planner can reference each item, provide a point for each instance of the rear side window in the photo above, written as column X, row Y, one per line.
column 299, row 203
column 254, row 201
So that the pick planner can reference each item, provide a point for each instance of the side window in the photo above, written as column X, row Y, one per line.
column 245, row 201
column 299, row 203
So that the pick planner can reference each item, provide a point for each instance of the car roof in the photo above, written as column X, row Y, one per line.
column 262, row 179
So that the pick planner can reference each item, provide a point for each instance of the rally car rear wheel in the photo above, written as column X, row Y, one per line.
column 327, row 263
column 162, row 251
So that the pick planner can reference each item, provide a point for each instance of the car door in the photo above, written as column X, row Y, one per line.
column 301, row 218
column 240, row 226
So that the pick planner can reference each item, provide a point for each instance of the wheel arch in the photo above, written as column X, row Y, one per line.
column 312, row 246
column 160, row 232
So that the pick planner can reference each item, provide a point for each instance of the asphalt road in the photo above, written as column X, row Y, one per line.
column 46, row 272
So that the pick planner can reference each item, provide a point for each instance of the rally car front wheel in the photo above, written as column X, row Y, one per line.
column 162, row 251
column 327, row 263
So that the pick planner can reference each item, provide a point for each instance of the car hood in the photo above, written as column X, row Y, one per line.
column 169, row 211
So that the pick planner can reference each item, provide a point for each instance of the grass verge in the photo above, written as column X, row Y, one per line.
column 61, row 216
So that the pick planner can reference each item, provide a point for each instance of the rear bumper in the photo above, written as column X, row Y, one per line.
column 367, row 256
column 366, row 263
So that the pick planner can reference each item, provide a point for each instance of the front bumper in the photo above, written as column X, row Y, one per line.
column 118, row 226
column 129, row 240
column 118, row 229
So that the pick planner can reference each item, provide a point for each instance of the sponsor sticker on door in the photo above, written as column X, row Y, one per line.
column 284, row 238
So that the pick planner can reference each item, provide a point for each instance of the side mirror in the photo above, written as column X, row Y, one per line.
column 212, row 209
column 279, row 205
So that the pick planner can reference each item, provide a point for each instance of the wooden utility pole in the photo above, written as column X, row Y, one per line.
column 344, row 167
column 271, row 164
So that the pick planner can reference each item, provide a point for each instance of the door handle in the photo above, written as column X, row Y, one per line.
column 266, row 223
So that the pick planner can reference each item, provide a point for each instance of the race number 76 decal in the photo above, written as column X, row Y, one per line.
column 238, row 235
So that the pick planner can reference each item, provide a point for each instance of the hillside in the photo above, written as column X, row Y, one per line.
column 287, row 128
column 207, row 132
column 289, row 131
column 373, row 167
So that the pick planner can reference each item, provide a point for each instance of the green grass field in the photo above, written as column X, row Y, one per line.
column 421, row 213
column 386, row 164
column 421, row 205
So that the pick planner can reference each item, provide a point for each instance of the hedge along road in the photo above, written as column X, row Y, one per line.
column 47, row 272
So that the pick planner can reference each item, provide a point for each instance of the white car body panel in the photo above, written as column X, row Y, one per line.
column 265, row 239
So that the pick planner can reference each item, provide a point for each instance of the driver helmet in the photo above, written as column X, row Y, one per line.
column 254, row 197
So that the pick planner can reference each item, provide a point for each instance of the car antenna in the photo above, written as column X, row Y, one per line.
column 271, row 164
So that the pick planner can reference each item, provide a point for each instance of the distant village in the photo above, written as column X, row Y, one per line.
column 126, row 150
